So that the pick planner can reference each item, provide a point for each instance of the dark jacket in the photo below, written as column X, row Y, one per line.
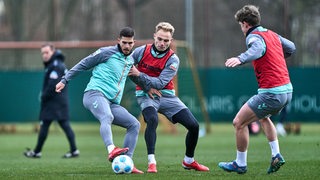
column 54, row 106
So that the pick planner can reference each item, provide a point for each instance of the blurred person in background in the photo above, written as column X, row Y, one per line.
column 102, row 96
column 157, row 65
column 267, row 51
column 285, row 127
column 54, row 106
column 281, row 123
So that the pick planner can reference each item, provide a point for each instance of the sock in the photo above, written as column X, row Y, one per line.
column 151, row 159
column 188, row 160
column 274, row 145
column 241, row 158
column 110, row 148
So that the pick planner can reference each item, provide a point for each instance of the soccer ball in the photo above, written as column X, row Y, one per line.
column 122, row 164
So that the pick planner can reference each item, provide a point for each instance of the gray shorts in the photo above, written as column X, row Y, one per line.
column 265, row 105
column 167, row 105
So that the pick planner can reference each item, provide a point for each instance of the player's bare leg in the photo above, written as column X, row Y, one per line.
column 244, row 117
column 269, row 129
column 271, row 133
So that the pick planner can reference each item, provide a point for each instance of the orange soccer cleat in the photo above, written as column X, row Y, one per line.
column 195, row 165
column 116, row 152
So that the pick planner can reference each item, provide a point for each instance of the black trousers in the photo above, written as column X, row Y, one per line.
column 44, row 130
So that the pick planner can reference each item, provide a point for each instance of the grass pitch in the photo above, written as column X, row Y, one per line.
column 301, row 152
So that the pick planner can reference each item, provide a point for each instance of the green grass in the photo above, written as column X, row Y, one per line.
column 301, row 152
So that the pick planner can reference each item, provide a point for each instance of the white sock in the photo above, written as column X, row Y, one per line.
column 241, row 158
column 274, row 145
column 188, row 160
column 110, row 148
column 151, row 159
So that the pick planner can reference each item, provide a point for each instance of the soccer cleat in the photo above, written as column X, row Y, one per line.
column 152, row 168
column 31, row 154
column 116, row 152
column 136, row 171
column 73, row 154
column 195, row 165
column 276, row 163
column 233, row 167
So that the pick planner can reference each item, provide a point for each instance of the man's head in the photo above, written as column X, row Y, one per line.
column 163, row 36
column 47, row 50
column 126, row 40
column 248, row 16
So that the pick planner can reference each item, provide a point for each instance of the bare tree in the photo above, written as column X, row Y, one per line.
column 129, row 6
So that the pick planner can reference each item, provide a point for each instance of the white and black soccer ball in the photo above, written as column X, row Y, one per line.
column 122, row 164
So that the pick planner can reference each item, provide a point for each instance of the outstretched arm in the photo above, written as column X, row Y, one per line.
column 85, row 64
column 256, row 49
column 233, row 62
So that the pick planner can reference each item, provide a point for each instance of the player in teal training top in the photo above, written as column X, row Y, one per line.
column 104, row 91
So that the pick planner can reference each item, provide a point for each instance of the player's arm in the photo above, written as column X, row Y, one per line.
column 134, row 73
column 288, row 46
column 85, row 64
column 163, row 79
column 256, row 48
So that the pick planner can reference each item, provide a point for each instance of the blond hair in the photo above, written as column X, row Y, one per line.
column 165, row 26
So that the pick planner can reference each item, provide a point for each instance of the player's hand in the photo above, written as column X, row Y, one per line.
column 134, row 71
column 153, row 92
column 59, row 87
column 233, row 62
